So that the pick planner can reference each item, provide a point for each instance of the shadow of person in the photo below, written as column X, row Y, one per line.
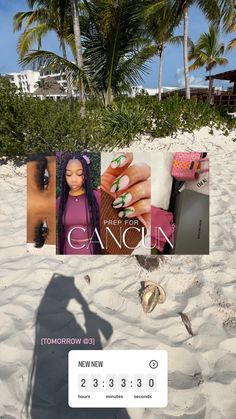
column 47, row 393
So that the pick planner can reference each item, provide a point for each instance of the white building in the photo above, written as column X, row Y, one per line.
column 140, row 90
column 137, row 90
column 26, row 80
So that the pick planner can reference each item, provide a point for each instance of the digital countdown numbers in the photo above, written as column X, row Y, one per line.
column 118, row 378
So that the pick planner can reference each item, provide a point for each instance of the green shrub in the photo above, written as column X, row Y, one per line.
column 28, row 124
column 122, row 122
column 177, row 114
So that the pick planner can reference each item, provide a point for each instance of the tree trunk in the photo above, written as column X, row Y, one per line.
column 78, row 46
column 160, row 72
column 109, row 93
column 210, row 89
column 186, row 68
column 68, row 79
column 234, row 88
column 109, row 96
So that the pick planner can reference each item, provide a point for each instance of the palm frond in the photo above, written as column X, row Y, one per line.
column 160, row 20
column 228, row 14
column 49, row 60
column 231, row 45
column 211, row 9
column 31, row 36
column 178, row 40
column 154, row 8
column 221, row 61
column 131, row 70
column 70, row 40
column 111, row 40
column 198, row 63
column 208, row 51
column 32, row 17
column 32, row 3
column 19, row 18
column 220, row 49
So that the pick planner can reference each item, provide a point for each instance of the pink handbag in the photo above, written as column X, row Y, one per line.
column 187, row 165
column 162, row 228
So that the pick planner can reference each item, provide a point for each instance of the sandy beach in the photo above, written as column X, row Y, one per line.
column 45, row 295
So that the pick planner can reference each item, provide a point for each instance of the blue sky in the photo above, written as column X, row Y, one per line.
column 173, row 61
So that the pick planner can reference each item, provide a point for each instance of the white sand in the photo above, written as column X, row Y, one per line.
column 202, row 369
column 201, row 140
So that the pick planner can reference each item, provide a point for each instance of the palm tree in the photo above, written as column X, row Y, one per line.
column 160, row 26
column 115, row 51
column 38, row 22
column 78, row 45
column 43, row 17
column 210, row 8
column 52, row 15
column 208, row 52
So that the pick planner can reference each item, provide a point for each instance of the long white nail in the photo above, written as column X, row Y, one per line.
column 120, row 183
column 119, row 160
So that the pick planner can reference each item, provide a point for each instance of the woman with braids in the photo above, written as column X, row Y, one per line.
column 77, row 209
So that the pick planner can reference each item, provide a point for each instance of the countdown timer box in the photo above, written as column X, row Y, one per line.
column 117, row 378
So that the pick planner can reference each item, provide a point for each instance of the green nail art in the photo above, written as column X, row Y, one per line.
column 125, row 212
column 121, row 200
column 117, row 160
column 120, row 183
column 115, row 185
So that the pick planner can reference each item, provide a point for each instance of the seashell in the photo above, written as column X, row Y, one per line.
column 151, row 294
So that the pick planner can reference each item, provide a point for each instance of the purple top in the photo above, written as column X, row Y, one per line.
column 74, row 220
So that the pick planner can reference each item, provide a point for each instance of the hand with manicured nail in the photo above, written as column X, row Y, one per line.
column 130, row 186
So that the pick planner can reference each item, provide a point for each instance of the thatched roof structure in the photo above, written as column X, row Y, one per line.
column 49, row 87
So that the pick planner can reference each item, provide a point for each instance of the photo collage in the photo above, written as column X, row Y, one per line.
column 123, row 203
